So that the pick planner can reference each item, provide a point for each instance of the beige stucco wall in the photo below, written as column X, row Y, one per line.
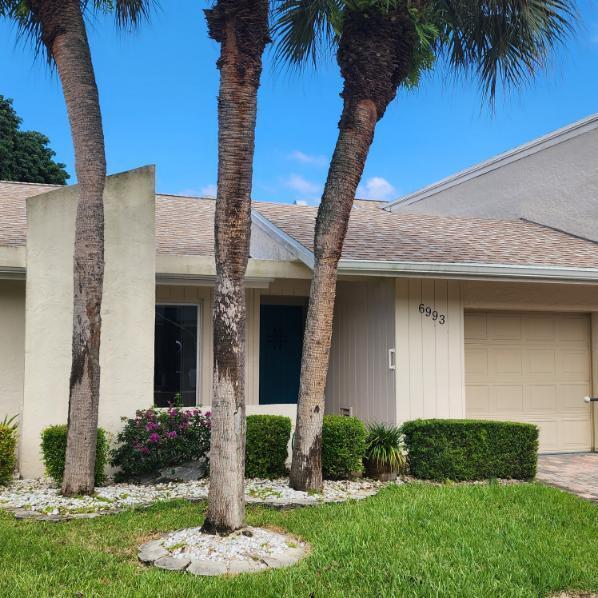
column 359, row 377
column 429, row 355
column 12, row 346
column 127, row 348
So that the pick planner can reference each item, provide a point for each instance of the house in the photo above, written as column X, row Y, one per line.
column 436, row 316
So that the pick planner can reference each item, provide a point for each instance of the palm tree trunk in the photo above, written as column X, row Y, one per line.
column 375, row 53
column 64, row 34
column 345, row 173
column 241, row 28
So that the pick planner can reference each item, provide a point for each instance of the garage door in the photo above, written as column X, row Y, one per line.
column 531, row 367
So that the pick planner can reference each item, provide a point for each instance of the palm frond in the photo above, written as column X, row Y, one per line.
column 131, row 13
column 128, row 14
column 29, row 29
column 505, row 41
column 304, row 28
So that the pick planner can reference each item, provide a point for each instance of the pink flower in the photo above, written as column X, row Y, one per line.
column 208, row 414
column 152, row 426
column 144, row 450
column 171, row 434
column 154, row 437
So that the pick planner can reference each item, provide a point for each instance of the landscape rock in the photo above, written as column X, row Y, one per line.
column 207, row 568
column 172, row 563
column 187, row 472
column 41, row 499
column 152, row 551
column 250, row 550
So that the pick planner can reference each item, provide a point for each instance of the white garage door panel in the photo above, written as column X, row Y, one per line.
column 531, row 367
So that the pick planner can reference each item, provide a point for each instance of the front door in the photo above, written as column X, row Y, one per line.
column 281, row 344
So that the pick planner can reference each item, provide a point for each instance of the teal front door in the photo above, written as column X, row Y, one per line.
column 281, row 344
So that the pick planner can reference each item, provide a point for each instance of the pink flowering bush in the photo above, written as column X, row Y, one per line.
column 158, row 438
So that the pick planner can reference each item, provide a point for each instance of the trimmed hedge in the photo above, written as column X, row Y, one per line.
column 460, row 450
column 343, row 447
column 54, row 453
column 266, row 449
column 8, row 452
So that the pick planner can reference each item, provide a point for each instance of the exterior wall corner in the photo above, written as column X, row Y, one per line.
column 126, row 354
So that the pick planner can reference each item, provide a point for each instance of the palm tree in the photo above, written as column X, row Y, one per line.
column 241, row 28
column 380, row 46
column 58, row 28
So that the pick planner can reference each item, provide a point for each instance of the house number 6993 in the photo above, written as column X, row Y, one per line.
column 431, row 313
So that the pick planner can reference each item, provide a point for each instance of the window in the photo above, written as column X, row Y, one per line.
column 175, row 369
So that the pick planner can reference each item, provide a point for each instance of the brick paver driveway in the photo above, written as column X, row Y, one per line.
column 575, row 472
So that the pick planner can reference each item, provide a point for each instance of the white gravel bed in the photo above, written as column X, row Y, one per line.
column 250, row 550
column 254, row 544
column 41, row 499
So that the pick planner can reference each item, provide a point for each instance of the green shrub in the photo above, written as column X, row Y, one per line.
column 343, row 447
column 445, row 449
column 8, row 450
column 267, row 446
column 54, row 453
column 159, row 438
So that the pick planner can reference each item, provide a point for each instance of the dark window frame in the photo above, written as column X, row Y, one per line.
column 198, row 374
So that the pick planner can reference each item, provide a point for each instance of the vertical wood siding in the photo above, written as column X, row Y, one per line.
column 594, row 354
column 363, row 333
column 430, row 362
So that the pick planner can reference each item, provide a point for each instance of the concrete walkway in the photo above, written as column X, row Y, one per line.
column 574, row 472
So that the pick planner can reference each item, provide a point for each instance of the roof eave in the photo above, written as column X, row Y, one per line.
column 466, row 271
column 13, row 261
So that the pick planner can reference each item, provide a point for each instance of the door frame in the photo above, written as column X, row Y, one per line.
column 290, row 300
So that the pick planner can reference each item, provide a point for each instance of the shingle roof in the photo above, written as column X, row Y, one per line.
column 379, row 235
column 184, row 226
column 13, row 214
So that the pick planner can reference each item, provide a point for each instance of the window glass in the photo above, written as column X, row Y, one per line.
column 175, row 369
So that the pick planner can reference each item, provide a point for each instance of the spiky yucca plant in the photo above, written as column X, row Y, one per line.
column 385, row 447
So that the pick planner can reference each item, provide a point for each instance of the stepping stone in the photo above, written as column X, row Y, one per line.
column 172, row 564
column 206, row 568
column 152, row 551
column 278, row 562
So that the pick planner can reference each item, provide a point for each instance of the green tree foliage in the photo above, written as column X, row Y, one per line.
column 25, row 155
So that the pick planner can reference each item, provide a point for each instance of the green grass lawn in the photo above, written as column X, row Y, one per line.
column 413, row 540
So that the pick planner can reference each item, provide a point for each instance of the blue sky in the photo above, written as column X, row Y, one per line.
column 158, row 89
